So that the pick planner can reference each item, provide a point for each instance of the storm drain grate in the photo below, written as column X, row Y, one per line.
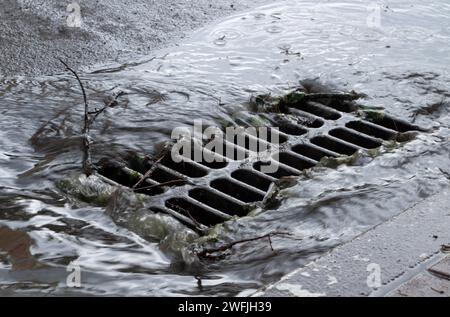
column 205, row 193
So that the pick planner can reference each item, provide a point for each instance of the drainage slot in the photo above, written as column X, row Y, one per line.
column 163, row 176
column 310, row 122
column 311, row 151
column 292, row 129
column 278, row 172
column 294, row 161
column 160, row 175
column 235, row 190
column 341, row 106
column 200, row 155
column 354, row 138
column 218, row 202
column 305, row 119
column 119, row 174
column 250, row 143
column 333, row 145
column 214, row 161
column 251, row 178
column 391, row 123
column 184, row 167
column 193, row 211
column 229, row 151
column 273, row 136
column 318, row 110
column 371, row 129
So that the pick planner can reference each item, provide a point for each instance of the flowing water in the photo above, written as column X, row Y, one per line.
column 400, row 61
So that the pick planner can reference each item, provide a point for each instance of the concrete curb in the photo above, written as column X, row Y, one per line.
column 379, row 261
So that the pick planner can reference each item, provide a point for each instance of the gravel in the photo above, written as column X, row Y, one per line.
column 35, row 33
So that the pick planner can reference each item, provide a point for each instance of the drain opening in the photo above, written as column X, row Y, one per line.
column 227, row 150
column 218, row 202
column 334, row 145
column 190, row 210
column 236, row 190
column 159, row 174
column 292, row 129
column 311, row 151
column 204, row 157
column 391, row 123
column 318, row 110
column 163, row 176
column 251, row 143
column 371, row 129
column 280, row 138
column 280, row 170
column 128, row 178
column 341, row 106
column 294, row 161
column 355, row 138
column 253, row 179
column 306, row 119
column 184, row 167
column 213, row 160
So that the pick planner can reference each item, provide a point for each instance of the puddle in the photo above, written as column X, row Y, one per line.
column 404, row 73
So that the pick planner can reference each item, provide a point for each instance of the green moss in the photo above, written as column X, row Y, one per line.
column 257, row 122
column 293, row 98
column 133, row 175
column 390, row 145
column 374, row 152
column 334, row 162
column 373, row 114
column 406, row 136
column 88, row 189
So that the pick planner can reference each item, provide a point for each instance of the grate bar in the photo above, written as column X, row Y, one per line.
column 357, row 138
column 372, row 129
column 313, row 151
column 237, row 190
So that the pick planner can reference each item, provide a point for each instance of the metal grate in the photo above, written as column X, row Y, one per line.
column 202, row 194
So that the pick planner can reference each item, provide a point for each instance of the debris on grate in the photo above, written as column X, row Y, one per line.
column 230, row 180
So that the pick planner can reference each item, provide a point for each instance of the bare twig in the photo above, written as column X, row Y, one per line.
column 207, row 252
column 96, row 113
column 161, row 184
column 167, row 148
column 187, row 213
column 87, row 165
column 334, row 96
column 86, row 105
column 270, row 243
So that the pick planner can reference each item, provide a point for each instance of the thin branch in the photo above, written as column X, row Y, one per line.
column 87, row 165
column 161, row 184
column 270, row 243
column 207, row 252
column 334, row 96
column 187, row 213
column 96, row 113
column 86, row 105
column 167, row 148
